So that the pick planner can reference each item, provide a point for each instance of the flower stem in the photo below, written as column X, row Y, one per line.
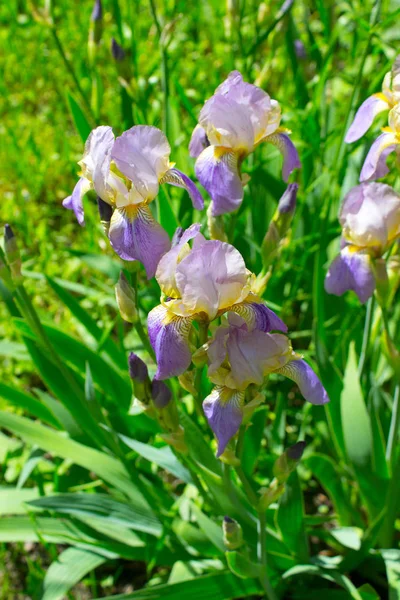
column 394, row 426
column 262, row 557
column 164, row 67
column 366, row 336
column 202, row 338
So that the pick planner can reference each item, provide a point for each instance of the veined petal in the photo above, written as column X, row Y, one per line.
column 211, row 277
column 166, row 269
column 135, row 235
column 198, row 142
column 227, row 123
column 375, row 163
column 309, row 384
column 351, row 270
column 142, row 155
column 179, row 179
column 74, row 201
column 217, row 169
column 169, row 337
column 365, row 116
column 97, row 158
column 224, row 411
column 288, row 150
column 257, row 315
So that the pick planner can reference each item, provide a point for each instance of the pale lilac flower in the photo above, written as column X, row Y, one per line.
column 370, row 220
column 238, row 357
column 375, row 104
column 126, row 173
column 374, row 166
column 236, row 119
column 200, row 283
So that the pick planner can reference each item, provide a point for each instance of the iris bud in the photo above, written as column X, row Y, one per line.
column 176, row 439
column 280, row 224
column 126, row 300
column 287, row 462
column 95, row 30
column 12, row 253
column 232, row 534
column 121, row 58
column 140, row 378
column 167, row 412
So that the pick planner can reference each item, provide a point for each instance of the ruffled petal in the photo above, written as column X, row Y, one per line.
column 198, row 142
column 74, row 201
column 365, row 116
column 169, row 337
column 218, row 172
column 211, row 277
column 142, row 155
column 166, row 269
column 288, row 150
column 309, row 384
column 351, row 271
column 179, row 179
column 135, row 235
column 375, row 163
column 224, row 411
column 257, row 315
column 227, row 123
column 97, row 158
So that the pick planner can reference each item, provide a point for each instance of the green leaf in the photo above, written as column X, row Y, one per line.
column 329, row 574
column 324, row 469
column 28, row 403
column 209, row 528
column 13, row 350
column 220, row 586
column 241, row 566
column 166, row 214
column 355, row 419
column 290, row 518
column 163, row 457
column 78, row 116
column 198, row 447
column 12, row 500
column 35, row 457
column 67, row 570
column 392, row 564
column 102, row 464
column 100, row 507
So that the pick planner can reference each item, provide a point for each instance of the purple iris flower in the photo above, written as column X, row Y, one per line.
column 370, row 220
column 375, row 104
column 200, row 283
column 126, row 172
column 239, row 356
column 236, row 119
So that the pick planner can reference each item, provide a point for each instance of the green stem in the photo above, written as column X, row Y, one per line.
column 394, row 427
column 202, row 338
column 71, row 71
column 144, row 338
column 164, row 68
column 262, row 557
column 366, row 336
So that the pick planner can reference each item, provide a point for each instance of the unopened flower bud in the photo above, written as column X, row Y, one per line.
column 95, row 30
column 167, row 413
column 105, row 212
column 300, row 49
column 126, row 300
column 117, row 51
column 288, row 461
column 232, row 533
column 216, row 226
column 280, row 224
column 12, row 253
column 140, row 378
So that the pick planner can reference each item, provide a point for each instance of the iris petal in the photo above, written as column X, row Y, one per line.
column 288, row 150
column 309, row 384
column 74, row 201
column 374, row 166
column 179, row 179
column 351, row 271
column 365, row 116
column 224, row 411
column 169, row 337
column 258, row 316
column 135, row 235
column 198, row 141
column 218, row 172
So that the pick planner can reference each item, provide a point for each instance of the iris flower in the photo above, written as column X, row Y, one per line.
column 389, row 141
column 238, row 356
column 200, row 283
column 370, row 220
column 126, row 172
column 375, row 104
column 232, row 123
